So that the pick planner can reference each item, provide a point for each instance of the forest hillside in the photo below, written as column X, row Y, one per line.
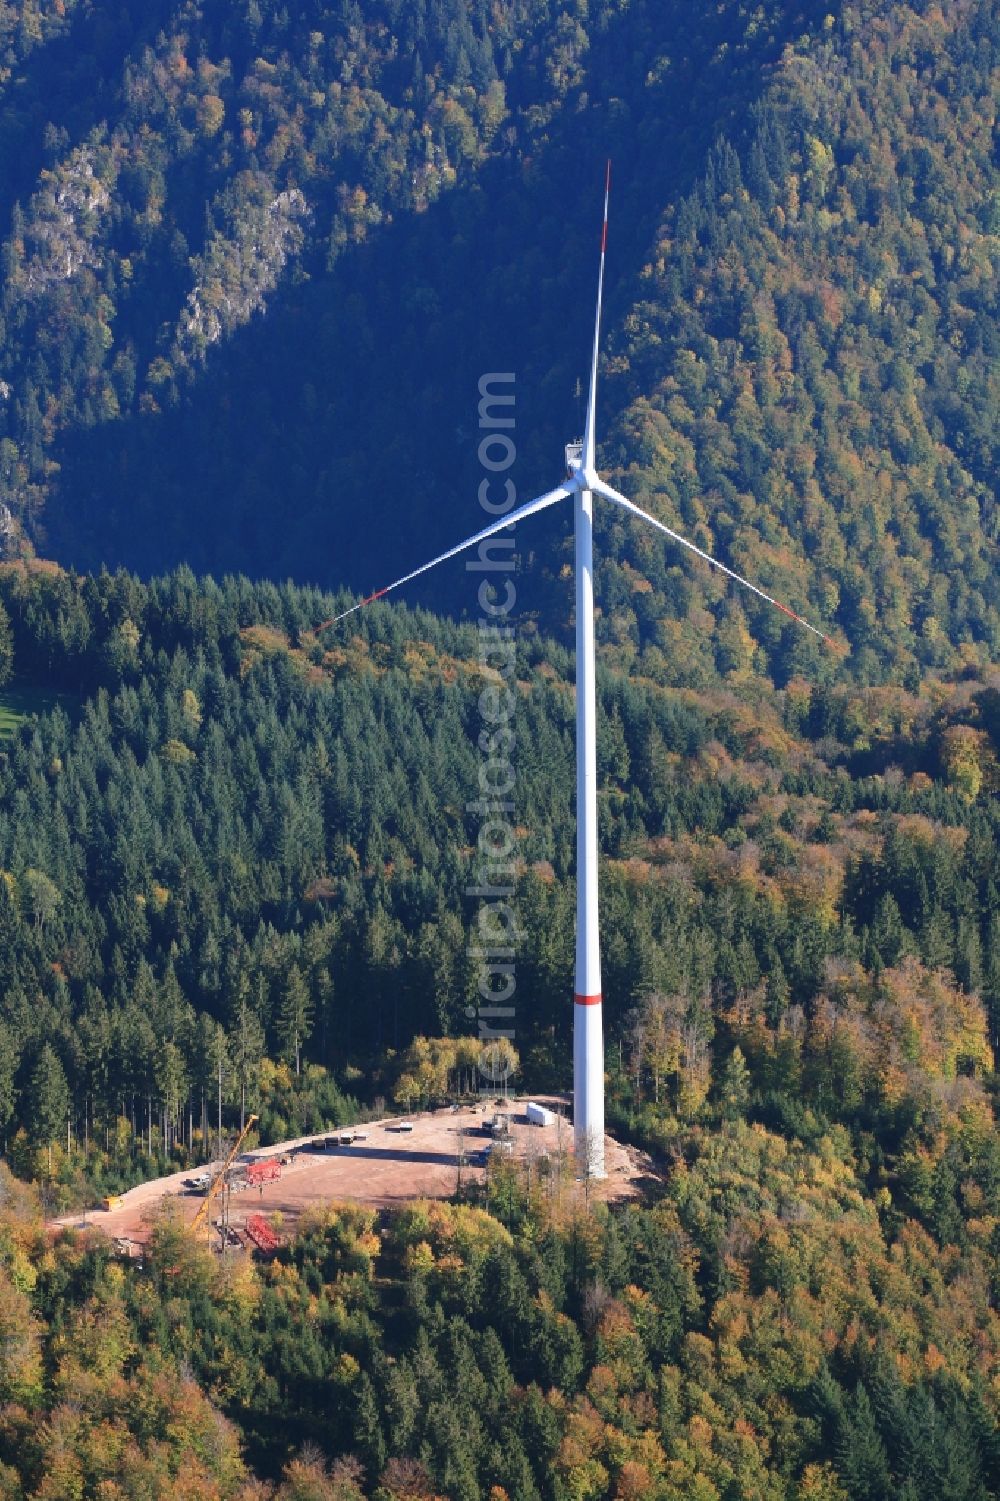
column 257, row 257
column 229, row 847
column 255, row 260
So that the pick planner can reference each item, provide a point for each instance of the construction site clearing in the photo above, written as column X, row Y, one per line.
column 385, row 1163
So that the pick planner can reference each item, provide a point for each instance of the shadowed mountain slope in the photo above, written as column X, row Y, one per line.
column 246, row 309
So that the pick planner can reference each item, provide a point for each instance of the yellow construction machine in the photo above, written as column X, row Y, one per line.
column 220, row 1177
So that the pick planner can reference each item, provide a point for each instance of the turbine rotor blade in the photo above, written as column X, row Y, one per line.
column 528, row 509
column 589, row 432
column 611, row 494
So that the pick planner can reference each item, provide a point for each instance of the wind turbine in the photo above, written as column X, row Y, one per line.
column 582, row 483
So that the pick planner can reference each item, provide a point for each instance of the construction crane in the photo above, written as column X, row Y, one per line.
column 220, row 1176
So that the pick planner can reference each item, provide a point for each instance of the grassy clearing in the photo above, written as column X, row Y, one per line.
column 19, row 701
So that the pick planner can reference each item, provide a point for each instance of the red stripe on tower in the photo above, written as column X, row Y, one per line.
column 588, row 1000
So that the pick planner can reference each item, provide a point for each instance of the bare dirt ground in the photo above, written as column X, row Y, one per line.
column 385, row 1169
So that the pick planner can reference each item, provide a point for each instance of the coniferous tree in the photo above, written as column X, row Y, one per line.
column 6, row 648
column 860, row 1455
column 9, row 1061
column 734, row 1086
column 247, row 1045
column 369, row 1438
column 295, row 1016
column 49, row 1095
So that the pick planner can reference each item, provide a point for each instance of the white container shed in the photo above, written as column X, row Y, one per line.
column 539, row 1115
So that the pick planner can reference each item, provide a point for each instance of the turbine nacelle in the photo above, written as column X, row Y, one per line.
column 579, row 474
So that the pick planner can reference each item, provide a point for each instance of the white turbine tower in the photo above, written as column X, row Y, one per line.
column 582, row 483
